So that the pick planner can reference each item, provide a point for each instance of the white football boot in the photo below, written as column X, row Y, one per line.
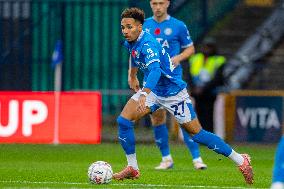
column 277, row 185
column 198, row 164
column 167, row 164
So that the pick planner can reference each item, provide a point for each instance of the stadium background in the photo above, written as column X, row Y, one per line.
column 94, row 60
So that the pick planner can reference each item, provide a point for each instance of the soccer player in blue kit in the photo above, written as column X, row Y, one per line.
column 278, row 171
column 162, row 88
column 174, row 37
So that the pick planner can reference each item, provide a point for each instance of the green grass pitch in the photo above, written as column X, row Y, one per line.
column 65, row 166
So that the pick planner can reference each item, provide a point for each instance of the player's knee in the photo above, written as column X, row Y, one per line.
column 129, row 111
column 158, row 120
column 193, row 127
column 158, row 117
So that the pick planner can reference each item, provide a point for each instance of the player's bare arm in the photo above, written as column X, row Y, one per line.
column 185, row 54
column 133, row 81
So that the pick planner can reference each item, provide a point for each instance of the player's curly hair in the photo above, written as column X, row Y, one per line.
column 135, row 13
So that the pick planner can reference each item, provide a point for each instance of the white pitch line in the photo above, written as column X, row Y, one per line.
column 126, row 184
column 184, row 186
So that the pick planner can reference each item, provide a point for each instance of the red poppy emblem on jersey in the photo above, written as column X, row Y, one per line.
column 157, row 31
column 133, row 53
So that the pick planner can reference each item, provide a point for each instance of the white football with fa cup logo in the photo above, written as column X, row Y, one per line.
column 100, row 172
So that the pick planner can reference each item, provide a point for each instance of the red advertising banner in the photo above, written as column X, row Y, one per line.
column 80, row 118
column 48, row 117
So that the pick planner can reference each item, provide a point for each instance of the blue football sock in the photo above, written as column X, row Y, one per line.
column 213, row 142
column 162, row 139
column 126, row 135
column 278, row 172
column 191, row 145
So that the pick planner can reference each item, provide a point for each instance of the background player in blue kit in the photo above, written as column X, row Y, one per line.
column 278, row 171
column 174, row 37
column 162, row 88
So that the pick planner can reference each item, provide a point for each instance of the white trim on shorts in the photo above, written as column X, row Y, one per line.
column 178, row 105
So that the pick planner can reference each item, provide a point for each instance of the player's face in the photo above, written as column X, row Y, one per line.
column 159, row 7
column 131, row 29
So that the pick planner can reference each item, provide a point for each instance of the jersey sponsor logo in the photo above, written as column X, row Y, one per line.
column 163, row 42
column 168, row 31
column 157, row 31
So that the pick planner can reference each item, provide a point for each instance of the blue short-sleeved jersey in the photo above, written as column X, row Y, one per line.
column 171, row 33
column 147, row 50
